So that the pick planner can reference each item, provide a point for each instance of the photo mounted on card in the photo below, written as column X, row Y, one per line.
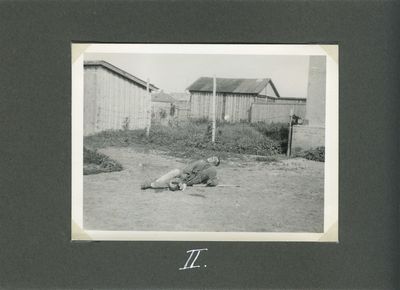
column 205, row 142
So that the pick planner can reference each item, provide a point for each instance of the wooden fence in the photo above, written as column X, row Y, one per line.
column 276, row 112
column 182, row 114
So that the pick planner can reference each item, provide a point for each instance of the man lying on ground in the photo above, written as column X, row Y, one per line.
column 199, row 172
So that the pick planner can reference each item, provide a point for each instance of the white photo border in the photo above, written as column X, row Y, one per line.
column 331, row 177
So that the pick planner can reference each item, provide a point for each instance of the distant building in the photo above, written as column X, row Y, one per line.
column 182, row 105
column 234, row 98
column 114, row 99
column 162, row 106
column 181, row 97
column 182, row 100
column 312, row 133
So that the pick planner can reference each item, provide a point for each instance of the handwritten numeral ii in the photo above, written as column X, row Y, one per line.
column 195, row 252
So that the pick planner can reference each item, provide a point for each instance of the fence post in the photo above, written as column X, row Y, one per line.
column 251, row 112
column 289, row 148
column 214, row 109
column 148, row 111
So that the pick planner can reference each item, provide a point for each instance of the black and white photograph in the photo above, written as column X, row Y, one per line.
column 205, row 142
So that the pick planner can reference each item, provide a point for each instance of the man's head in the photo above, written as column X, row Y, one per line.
column 214, row 160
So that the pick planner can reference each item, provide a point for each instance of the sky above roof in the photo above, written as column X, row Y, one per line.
column 176, row 72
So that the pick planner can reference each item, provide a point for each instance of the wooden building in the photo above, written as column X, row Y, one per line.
column 234, row 97
column 162, row 107
column 114, row 99
column 182, row 106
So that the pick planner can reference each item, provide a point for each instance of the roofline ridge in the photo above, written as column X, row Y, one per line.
column 119, row 71
column 232, row 78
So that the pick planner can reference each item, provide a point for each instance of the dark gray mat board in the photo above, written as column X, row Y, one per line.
column 35, row 114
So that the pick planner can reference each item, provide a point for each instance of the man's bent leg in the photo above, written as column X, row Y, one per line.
column 163, row 181
column 203, row 176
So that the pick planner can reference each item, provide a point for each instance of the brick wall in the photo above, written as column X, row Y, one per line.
column 307, row 137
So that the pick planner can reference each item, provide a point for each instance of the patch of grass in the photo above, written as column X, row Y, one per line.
column 192, row 140
column 95, row 162
column 316, row 154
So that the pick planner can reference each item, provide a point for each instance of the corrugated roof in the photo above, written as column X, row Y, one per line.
column 120, row 72
column 225, row 85
column 162, row 97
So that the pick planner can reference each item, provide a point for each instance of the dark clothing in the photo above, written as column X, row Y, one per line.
column 207, row 176
column 196, row 167
column 200, row 172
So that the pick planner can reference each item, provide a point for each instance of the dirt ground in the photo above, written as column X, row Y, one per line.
column 284, row 196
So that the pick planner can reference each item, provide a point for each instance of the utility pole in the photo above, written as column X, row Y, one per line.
column 148, row 109
column 289, row 145
column 214, row 114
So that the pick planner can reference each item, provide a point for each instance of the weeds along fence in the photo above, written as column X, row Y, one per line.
column 193, row 139
column 276, row 112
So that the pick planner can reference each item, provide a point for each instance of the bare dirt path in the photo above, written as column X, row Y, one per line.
column 285, row 196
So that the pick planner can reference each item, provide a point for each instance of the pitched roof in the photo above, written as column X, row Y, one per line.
column 162, row 97
column 225, row 85
column 120, row 72
column 181, row 96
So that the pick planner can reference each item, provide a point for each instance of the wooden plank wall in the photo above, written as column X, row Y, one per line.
column 201, row 105
column 276, row 112
column 182, row 110
column 89, row 101
column 237, row 107
column 182, row 114
column 117, row 100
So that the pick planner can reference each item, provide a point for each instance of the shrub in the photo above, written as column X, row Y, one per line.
column 95, row 162
column 316, row 154
column 163, row 113
column 125, row 123
column 275, row 131
column 243, row 138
